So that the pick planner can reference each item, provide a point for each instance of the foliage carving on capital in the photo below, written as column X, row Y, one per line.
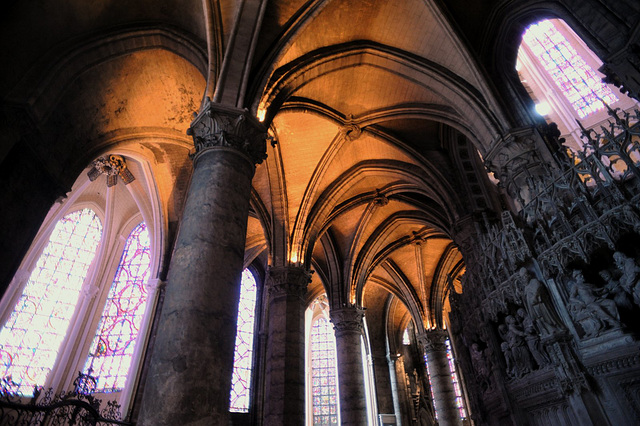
column 347, row 319
column 434, row 340
column 221, row 126
column 288, row 281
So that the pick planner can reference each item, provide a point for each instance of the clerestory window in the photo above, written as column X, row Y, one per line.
column 573, row 76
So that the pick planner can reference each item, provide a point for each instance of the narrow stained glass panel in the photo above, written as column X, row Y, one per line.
column 454, row 380
column 243, row 357
column 456, row 383
column 323, row 373
column 112, row 349
column 31, row 337
column 578, row 81
column 405, row 337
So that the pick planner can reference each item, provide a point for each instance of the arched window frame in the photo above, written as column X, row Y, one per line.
column 84, row 322
column 256, row 310
column 316, row 310
column 545, row 89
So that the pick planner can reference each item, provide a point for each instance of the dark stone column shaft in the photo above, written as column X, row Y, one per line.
column 444, row 396
column 190, row 369
column 285, row 391
column 347, row 322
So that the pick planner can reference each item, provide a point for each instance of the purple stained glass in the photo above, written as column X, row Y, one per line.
column 323, row 361
column 113, row 346
column 31, row 337
column 578, row 81
column 243, row 357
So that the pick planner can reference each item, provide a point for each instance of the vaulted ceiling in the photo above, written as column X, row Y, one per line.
column 376, row 111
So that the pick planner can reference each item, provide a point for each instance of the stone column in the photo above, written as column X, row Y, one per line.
column 444, row 396
column 347, row 322
column 391, row 361
column 285, row 363
column 190, row 368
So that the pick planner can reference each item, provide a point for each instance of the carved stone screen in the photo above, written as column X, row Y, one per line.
column 323, row 373
column 113, row 346
column 243, row 357
column 576, row 79
column 31, row 337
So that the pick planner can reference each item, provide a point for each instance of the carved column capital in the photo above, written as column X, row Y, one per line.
column 434, row 340
column 217, row 125
column 347, row 319
column 285, row 281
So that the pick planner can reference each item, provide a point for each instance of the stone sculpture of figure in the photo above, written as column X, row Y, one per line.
column 592, row 312
column 539, row 306
column 615, row 291
column 515, row 338
column 532, row 338
column 630, row 278
column 480, row 363
column 508, row 357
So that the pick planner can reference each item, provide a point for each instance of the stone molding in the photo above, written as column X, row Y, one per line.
column 218, row 125
column 347, row 319
column 285, row 281
column 434, row 340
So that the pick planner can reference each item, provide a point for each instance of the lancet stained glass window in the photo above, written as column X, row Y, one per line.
column 323, row 373
column 243, row 357
column 454, row 380
column 112, row 349
column 30, row 339
column 577, row 80
column 405, row 337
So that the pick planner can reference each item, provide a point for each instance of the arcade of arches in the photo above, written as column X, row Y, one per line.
column 376, row 166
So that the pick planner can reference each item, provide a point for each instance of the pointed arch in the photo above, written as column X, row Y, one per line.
column 30, row 339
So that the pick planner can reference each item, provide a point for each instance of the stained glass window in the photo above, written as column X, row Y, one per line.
column 456, row 382
column 323, row 373
column 31, row 337
column 576, row 79
column 243, row 357
column 112, row 349
column 405, row 337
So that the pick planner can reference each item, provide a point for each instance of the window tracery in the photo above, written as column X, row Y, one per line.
column 575, row 78
column 113, row 346
column 30, row 339
column 323, row 373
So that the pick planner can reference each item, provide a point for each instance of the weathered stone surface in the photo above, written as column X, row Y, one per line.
column 347, row 322
column 190, row 374
column 285, row 378
column 444, row 397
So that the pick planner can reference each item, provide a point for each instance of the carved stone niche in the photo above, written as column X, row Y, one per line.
column 515, row 159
